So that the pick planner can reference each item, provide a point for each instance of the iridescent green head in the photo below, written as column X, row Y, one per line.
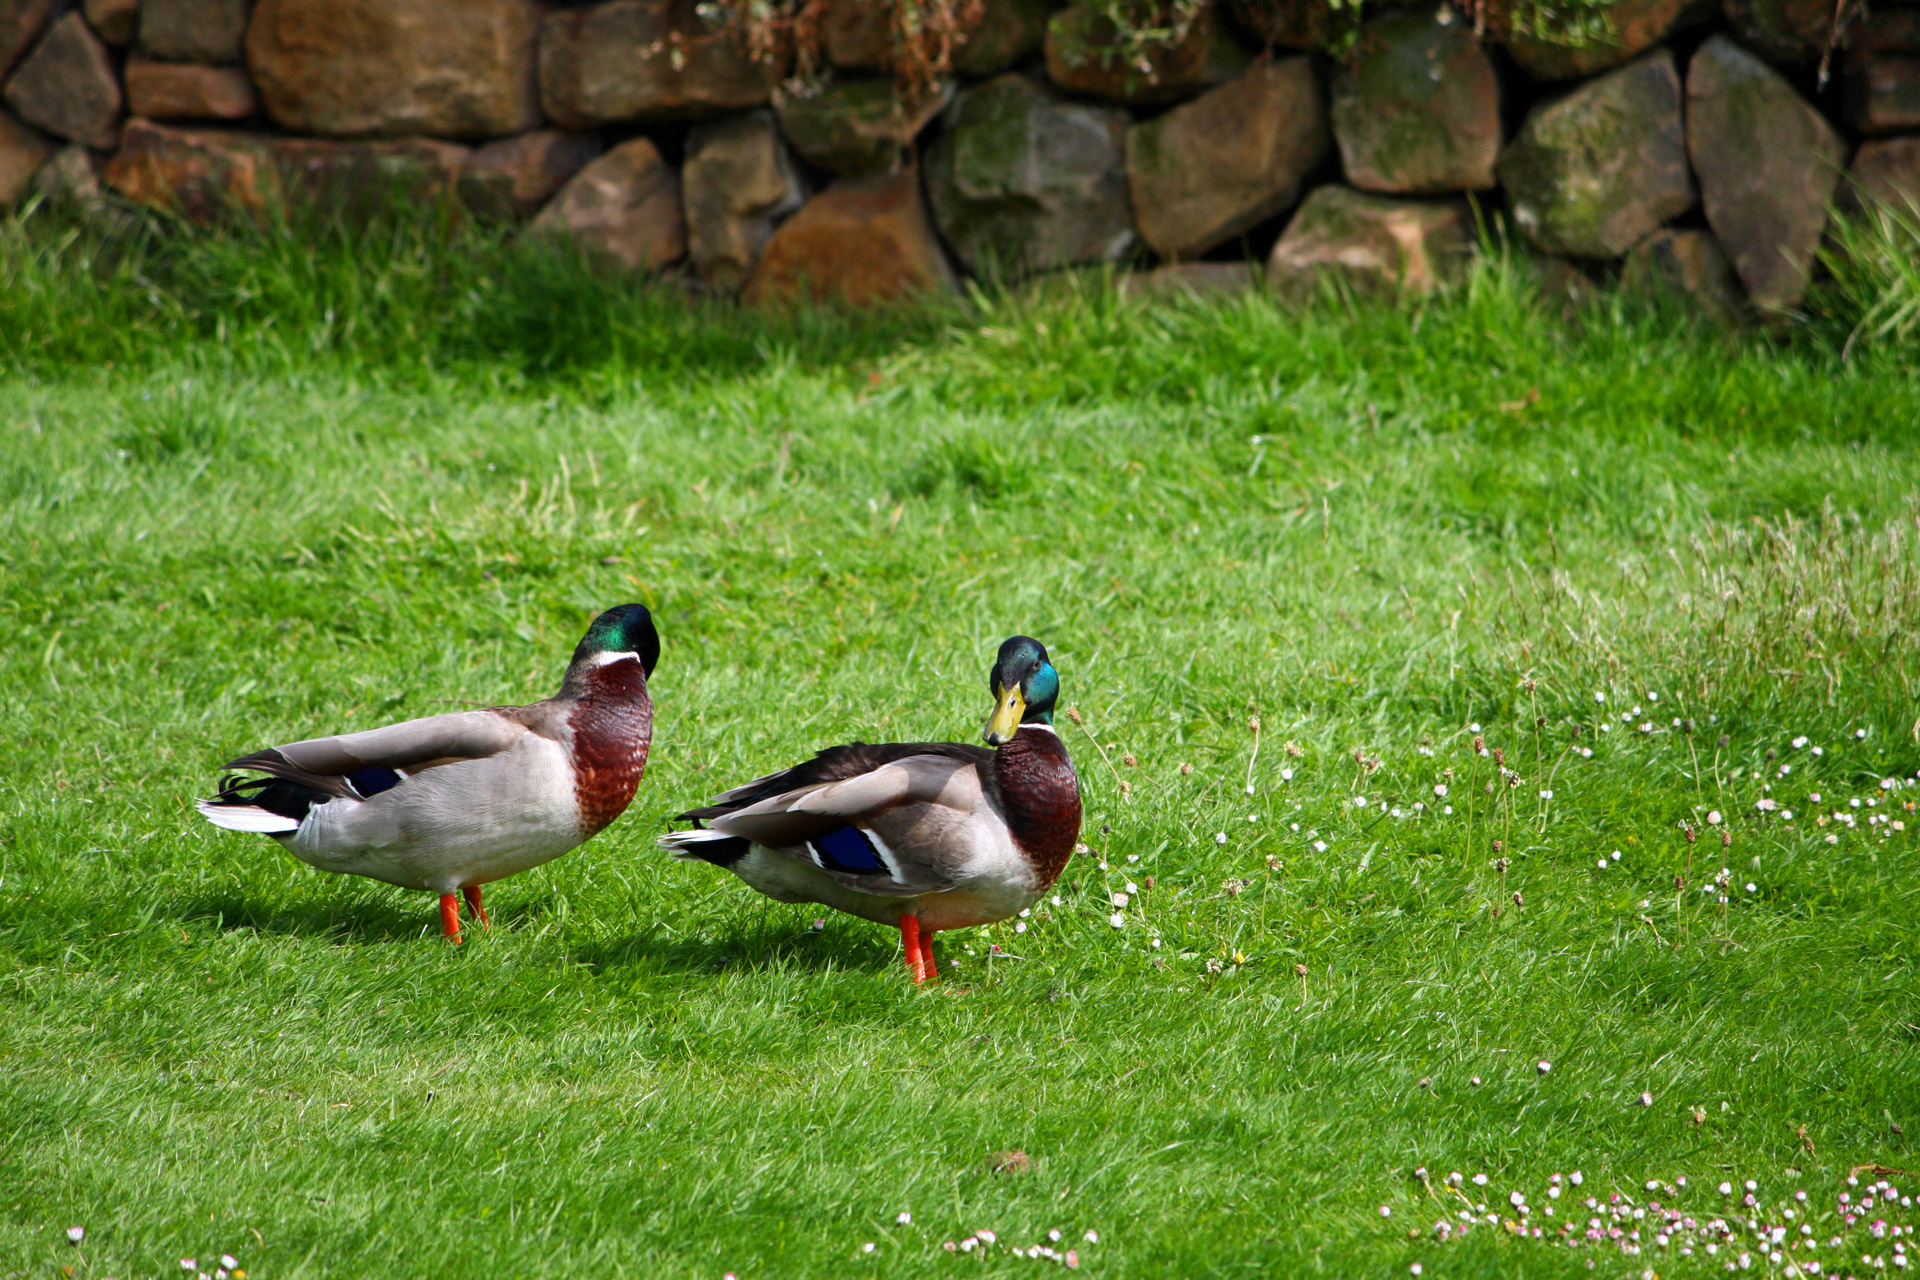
column 1025, row 687
column 627, row 628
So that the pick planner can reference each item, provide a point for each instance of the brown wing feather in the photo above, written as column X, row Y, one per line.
column 835, row 764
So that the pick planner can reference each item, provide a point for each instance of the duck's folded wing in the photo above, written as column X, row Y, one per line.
column 408, row 747
column 884, row 831
column 834, row 764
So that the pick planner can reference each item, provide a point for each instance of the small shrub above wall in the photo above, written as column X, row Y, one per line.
column 868, row 150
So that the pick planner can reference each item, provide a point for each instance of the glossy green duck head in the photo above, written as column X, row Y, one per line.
column 1025, row 687
column 626, row 628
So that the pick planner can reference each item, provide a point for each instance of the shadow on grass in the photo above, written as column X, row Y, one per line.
column 363, row 920
column 765, row 947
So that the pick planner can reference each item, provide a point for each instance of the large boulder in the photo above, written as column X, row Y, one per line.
column 1290, row 24
column 738, row 182
column 358, row 68
column 356, row 182
column 1022, row 180
column 202, row 175
column 115, row 21
column 1632, row 27
column 1591, row 174
column 1787, row 32
column 1886, row 172
column 22, row 152
column 1687, row 266
column 857, row 128
column 1212, row 168
column 648, row 61
column 1883, row 72
column 1417, row 108
column 21, row 22
column 623, row 208
column 188, row 91
column 511, row 178
column 1086, row 55
column 1376, row 244
column 857, row 242
column 193, row 30
column 1007, row 34
column 1768, row 165
column 67, row 85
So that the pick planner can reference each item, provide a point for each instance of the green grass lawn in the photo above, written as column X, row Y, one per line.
column 250, row 497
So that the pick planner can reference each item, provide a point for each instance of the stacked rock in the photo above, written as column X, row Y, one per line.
column 1676, row 145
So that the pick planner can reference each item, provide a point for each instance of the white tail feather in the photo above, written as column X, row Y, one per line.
column 248, row 817
column 680, row 843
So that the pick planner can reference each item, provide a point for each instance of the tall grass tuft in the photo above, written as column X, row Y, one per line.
column 1874, row 264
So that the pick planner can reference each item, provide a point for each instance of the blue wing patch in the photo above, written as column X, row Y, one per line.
column 846, row 849
column 371, row 782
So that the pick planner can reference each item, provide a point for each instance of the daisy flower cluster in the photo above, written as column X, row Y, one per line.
column 1048, row 1250
column 1731, row 1225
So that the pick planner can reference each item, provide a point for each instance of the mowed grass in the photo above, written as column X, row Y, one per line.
column 254, row 495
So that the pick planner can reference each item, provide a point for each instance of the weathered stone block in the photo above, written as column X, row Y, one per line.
column 1886, row 172
column 856, row 35
column 67, row 85
column 70, row 182
column 858, row 242
column 1021, row 180
column 1591, row 174
column 1687, row 265
column 22, row 152
column 647, row 61
column 1212, row 168
column 1633, row 27
column 1191, row 280
column 357, row 181
column 358, row 68
column 115, row 21
column 1886, row 94
column 1008, row 33
column 1768, row 164
column 187, row 91
column 1417, row 108
column 1084, row 56
column 1290, row 24
column 739, row 181
column 1561, row 281
column 21, row 22
column 193, row 30
column 857, row 128
column 1882, row 72
column 1377, row 244
column 202, row 175
column 510, row 179
column 624, row 207
column 1788, row 32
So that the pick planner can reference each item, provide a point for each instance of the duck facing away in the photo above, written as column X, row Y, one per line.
column 924, row 836
column 453, row 802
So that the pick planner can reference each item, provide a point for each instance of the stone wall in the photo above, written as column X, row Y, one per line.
column 1690, row 147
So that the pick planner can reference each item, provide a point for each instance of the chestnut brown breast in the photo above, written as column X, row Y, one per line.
column 612, row 725
column 1041, row 797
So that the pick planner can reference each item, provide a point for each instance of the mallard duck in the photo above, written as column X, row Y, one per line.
column 453, row 802
column 923, row 836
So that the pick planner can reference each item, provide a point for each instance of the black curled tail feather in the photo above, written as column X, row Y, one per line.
column 275, row 795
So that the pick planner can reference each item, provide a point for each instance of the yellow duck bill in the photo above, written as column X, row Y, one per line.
column 1008, row 712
